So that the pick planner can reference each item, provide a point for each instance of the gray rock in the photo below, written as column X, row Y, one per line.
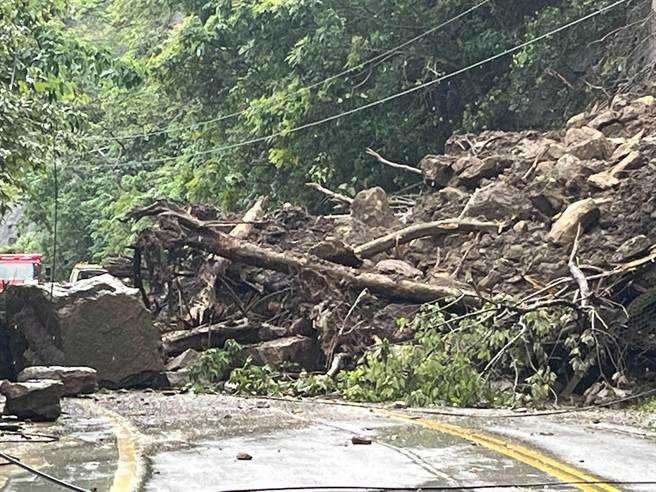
column 633, row 248
column 185, row 360
column 603, row 180
column 497, row 201
column 587, row 143
column 98, row 323
column 397, row 267
column 570, row 168
column 451, row 194
column 299, row 349
column 631, row 162
column 549, row 203
column 437, row 170
column 371, row 208
column 76, row 380
column 577, row 121
column 177, row 379
column 34, row 400
column 604, row 119
column 472, row 170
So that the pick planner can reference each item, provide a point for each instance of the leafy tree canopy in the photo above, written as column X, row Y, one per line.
column 190, row 81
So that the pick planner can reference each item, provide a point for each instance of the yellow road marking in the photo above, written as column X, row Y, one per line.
column 531, row 457
column 127, row 475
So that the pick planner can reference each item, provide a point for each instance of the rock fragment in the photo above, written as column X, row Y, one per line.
column 631, row 162
column 497, row 201
column 76, row 380
column 34, row 400
column 584, row 213
column 577, row 121
column 185, row 360
column 603, row 180
column 471, row 170
column 397, row 267
column 302, row 350
column 437, row 170
column 632, row 248
column 371, row 207
column 587, row 143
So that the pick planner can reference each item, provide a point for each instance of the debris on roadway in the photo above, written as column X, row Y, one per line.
column 508, row 223
column 524, row 215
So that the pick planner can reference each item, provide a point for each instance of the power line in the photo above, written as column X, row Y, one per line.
column 361, row 65
column 41, row 474
column 393, row 96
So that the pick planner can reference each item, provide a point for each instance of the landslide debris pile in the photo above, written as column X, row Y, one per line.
column 508, row 223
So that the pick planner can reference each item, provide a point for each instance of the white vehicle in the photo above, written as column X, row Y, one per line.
column 82, row 271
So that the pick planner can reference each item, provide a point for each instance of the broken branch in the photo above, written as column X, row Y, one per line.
column 427, row 229
column 338, row 197
column 403, row 167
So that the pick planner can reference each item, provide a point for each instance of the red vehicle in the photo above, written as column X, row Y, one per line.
column 18, row 269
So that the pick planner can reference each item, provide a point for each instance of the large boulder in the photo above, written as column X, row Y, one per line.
column 34, row 400
column 98, row 323
column 76, row 380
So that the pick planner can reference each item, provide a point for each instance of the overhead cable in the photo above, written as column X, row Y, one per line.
column 393, row 96
column 341, row 74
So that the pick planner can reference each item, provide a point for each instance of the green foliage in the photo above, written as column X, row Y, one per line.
column 649, row 405
column 423, row 373
column 254, row 380
column 456, row 361
column 214, row 366
column 452, row 360
column 217, row 366
column 40, row 65
column 174, row 64
column 313, row 385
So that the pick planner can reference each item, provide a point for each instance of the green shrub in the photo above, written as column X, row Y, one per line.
column 214, row 366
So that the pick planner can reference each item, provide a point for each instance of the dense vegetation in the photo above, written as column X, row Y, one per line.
column 119, row 93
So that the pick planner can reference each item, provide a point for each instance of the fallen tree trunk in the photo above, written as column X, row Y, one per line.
column 241, row 251
column 251, row 254
column 428, row 229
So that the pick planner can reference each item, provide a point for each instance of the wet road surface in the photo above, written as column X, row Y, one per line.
column 152, row 441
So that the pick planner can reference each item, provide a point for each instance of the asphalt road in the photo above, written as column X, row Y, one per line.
column 156, row 442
